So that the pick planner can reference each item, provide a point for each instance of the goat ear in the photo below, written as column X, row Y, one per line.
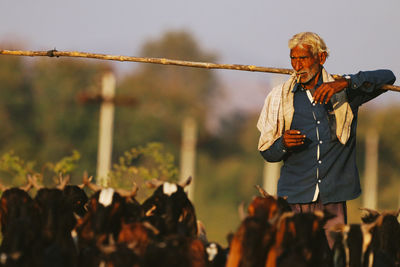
column 242, row 213
column 188, row 218
column 370, row 216
column 337, row 230
column 339, row 227
column 370, row 211
column 397, row 213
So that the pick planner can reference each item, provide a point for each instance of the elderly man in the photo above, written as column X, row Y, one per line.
column 310, row 123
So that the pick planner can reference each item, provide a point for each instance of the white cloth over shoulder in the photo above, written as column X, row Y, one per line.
column 277, row 113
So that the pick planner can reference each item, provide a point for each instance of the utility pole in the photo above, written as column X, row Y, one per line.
column 272, row 170
column 106, row 127
column 271, row 175
column 107, row 102
column 188, row 153
column 370, row 195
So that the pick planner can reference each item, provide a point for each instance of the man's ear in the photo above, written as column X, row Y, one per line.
column 322, row 58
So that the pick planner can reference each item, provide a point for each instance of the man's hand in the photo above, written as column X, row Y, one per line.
column 324, row 93
column 293, row 138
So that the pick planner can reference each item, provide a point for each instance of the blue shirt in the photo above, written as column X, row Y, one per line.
column 322, row 160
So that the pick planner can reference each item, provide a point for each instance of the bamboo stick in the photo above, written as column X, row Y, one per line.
column 162, row 61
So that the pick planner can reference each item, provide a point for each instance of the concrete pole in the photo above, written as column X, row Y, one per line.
column 106, row 127
column 271, row 173
column 370, row 194
column 188, row 153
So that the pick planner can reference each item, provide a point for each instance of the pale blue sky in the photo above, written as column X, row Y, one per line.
column 361, row 34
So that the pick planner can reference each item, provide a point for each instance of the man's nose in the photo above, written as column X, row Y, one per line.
column 297, row 65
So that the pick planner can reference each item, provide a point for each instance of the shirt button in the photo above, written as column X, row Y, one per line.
column 319, row 181
column 319, row 161
column 318, row 122
column 313, row 104
column 320, row 142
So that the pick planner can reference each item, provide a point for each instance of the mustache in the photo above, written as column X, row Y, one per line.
column 298, row 74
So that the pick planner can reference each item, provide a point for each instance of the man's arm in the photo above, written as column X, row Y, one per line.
column 278, row 150
column 364, row 83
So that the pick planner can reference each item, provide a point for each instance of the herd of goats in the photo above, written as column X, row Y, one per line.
column 62, row 226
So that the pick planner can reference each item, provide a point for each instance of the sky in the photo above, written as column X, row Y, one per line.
column 361, row 34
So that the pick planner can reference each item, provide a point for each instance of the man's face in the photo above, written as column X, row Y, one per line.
column 305, row 63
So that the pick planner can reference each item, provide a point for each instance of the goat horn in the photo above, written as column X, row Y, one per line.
column 186, row 182
column 87, row 181
column 33, row 181
column 154, row 183
column 262, row 191
column 63, row 181
column 27, row 187
column 126, row 193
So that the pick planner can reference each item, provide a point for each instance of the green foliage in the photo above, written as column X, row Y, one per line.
column 142, row 164
column 14, row 168
column 65, row 165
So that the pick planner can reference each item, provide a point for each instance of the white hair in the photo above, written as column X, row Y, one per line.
column 309, row 38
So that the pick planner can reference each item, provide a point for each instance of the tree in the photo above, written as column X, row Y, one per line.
column 166, row 94
column 61, row 123
column 16, row 107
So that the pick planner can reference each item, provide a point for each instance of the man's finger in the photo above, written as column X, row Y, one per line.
column 320, row 95
column 329, row 96
column 317, row 97
column 295, row 137
column 292, row 132
column 293, row 144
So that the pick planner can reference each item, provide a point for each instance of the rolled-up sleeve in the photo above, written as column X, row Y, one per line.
column 365, row 85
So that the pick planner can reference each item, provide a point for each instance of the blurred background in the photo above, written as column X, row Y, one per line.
column 47, row 127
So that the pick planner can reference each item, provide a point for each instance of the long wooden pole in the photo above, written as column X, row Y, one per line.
column 162, row 61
